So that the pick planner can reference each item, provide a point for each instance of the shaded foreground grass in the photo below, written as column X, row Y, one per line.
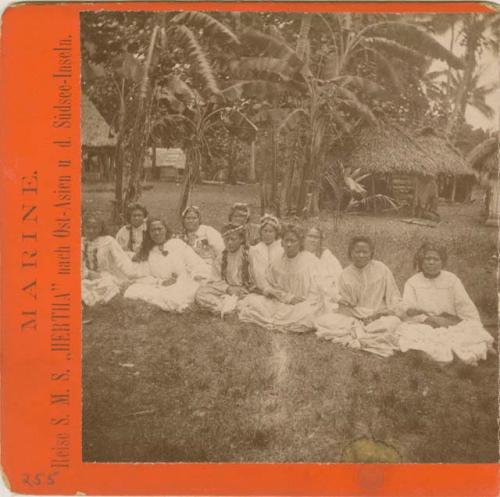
column 162, row 387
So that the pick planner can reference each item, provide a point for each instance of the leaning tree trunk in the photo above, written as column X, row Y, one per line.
column 119, row 159
column 473, row 42
column 137, row 144
column 191, row 175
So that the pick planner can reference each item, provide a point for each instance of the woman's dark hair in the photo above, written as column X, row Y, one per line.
column 135, row 207
column 430, row 247
column 360, row 239
column 245, row 267
column 147, row 242
column 321, row 236
column 91, row 215
column 297, row 230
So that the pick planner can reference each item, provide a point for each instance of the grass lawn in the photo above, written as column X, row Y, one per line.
column 163, row 387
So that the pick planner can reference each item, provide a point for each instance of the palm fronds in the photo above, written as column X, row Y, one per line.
column 195, row 51
column 396, row 49
column 413, row 37
column 352, row 102
column 208, row 23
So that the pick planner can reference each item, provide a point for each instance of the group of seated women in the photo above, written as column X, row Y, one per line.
column 283, row 278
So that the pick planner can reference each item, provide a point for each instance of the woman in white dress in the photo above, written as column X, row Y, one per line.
column 172, row 270
column 441, row 318
column 105, row 266
column 206, row 241
column 369, row 303
column 330, row 267
column 130, row 236
column 293, row 297
column 267, row 250
column 222, row 296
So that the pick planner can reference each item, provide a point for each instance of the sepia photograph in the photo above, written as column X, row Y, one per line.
column 289, row 237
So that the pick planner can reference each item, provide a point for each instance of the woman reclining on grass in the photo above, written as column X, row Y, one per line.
column 106, row 268
column 292, row 299
column 172, row 270
column 441, row 319
column 222, row 296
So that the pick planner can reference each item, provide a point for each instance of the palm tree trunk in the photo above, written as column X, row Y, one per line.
column 137, row 143
column 473, row 37
column 119, row 157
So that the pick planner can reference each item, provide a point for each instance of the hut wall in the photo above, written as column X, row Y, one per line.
column 403, row 188
column 493, row 204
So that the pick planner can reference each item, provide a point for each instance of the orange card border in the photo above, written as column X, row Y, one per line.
column 32, row 372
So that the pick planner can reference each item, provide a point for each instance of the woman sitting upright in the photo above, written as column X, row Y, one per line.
column 130, row 236
column 223, row 295
column 292, row 298
column 240, row 214
column 172, row 270
column 105, row 266
column 206, row 241
column 330, row 267
column 266, row 251
column 441, row 319
column 369, row 303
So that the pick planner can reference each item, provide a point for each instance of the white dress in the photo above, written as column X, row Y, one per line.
column 468, row 340
column 114, row 269
column 208, row 243
column 368, row 291
column 124, row 235
column 330, row 270
column 173, row 259
column 261, row 256
column 289, row 277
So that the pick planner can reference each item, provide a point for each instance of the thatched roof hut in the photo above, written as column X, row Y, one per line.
column 95, row 131
column 388, row 149
column 485, row 157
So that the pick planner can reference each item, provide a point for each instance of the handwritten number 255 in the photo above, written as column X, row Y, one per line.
column 39, row 479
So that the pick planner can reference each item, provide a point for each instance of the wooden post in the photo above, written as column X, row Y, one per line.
column 251, row 169
column 493, row 204
column 373, row 193
column 454, row 189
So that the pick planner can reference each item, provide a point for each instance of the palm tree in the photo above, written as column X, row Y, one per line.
column 327, row 94
column 150, row 69
column 475, row 32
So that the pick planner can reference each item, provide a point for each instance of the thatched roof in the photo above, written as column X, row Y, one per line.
column 96, row 132
column 485, row 157
column 391, row 149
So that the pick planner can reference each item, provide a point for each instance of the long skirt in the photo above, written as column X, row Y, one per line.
column 467, row 340
column 174, row 298
column 213, row 297
column 100, row 290
column 274, row 315
column 378, row 337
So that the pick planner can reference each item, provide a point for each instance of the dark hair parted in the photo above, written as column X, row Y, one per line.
column 361, row 239
column 92, row 216
column 430, row 247
column 136, row 207
column 245, row 267
column 147, row 241
column 296, row 230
